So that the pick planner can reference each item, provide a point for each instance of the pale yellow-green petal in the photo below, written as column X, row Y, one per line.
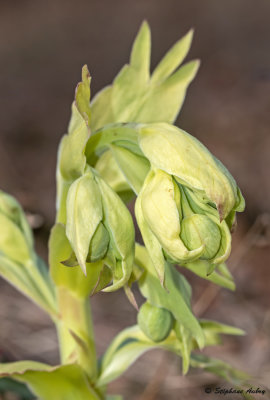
column 190, row 162
column 161, row 214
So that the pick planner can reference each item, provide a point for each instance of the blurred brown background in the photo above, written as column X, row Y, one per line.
column 43, row 45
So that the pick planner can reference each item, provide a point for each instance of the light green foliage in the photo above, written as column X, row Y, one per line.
column 71, row 159
column 220, row 276
column 131, row 343
column 155, row 322
column 186, row 344
column 138, row 97
column 19, row 264
column 66, row 382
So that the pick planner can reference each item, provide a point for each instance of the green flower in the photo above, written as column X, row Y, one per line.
column 100, row 227
column 188, row 201
column 181, row 155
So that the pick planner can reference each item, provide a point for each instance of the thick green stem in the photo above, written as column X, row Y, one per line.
column 75, row 332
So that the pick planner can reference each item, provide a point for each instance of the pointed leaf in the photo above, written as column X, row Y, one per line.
column 162, row 103
column 141, row 52
column 186, row 345
column 219, row 276
column 82, row 95
column 67, row 382
column 172, row 59
column 218, row 327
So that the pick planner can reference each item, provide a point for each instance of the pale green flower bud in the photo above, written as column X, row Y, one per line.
column 99, row 227
column 199, row 229
column 155, row 322
column 179, row 224
column 179, row 154
column 162, row 212
column 201, row 224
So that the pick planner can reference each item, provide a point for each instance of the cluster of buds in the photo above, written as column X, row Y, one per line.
column 186, row 199
column 187, row 205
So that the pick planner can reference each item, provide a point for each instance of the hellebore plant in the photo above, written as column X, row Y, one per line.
column 120, row 145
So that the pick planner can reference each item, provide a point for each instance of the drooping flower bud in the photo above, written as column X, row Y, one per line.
column 99, row 227
column 179, row 154
column 179, row 224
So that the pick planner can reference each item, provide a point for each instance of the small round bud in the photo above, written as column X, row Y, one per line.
column 155, row 322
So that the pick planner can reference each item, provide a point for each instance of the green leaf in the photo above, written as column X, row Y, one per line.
column 32, row 280
column 13, row 242
column 133, row 166
column 71, row 278
column 163, row 102
column 134, row 96
column 212, row 331
column 84, row 213
column 173, row 58
column 186, row 345
column 67, row 382
column 71, row 161
column 217, row 327
column 71, row 158
column 82, row 95
column 124, row 350
column 175, row 299
column 220, row 276
column 122, row 360
column 10, row 207
column 135, row 77
column 141, row 52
